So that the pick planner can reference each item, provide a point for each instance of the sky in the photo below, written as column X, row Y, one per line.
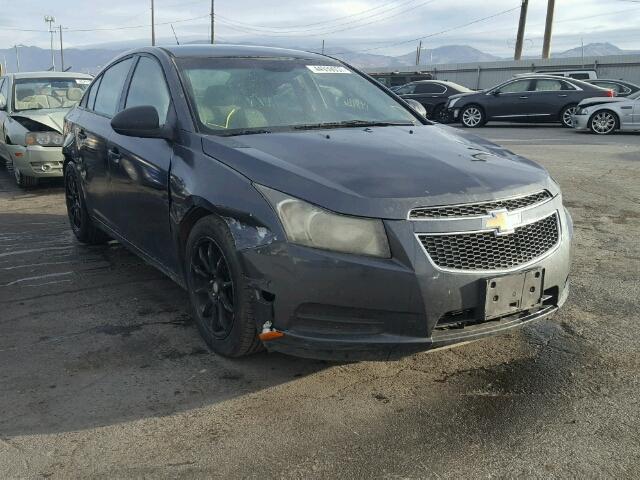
column 389, row 27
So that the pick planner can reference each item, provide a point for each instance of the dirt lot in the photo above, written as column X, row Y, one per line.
column 103, row 375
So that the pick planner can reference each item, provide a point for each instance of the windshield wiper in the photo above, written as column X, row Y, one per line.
column 248, row 131
column 352, row 123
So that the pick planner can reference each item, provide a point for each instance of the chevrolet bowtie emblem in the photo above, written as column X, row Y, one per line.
column 503, row 222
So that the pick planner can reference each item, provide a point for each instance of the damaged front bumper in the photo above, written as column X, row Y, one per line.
column 346, row 307
column 37, row 161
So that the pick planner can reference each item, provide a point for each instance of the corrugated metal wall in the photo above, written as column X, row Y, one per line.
column 487, row 74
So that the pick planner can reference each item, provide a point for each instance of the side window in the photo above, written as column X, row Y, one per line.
column 4, row 88
column 430, row 88
column 406, row 89
column 579, row 76
column 548, row 85
column 91, row 94
column 516, row 87
column 108, row 96
column 148, row 87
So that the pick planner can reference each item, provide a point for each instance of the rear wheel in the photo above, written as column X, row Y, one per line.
column 221, row 298
column 472, row 116
column 440, row 114
column 566, row 115
column 603, row 122
column 81, row 224
column 23, row 181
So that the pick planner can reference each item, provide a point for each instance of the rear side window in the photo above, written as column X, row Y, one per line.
column 148, row 87
column 110, row 89
column 406, row 90
column 548, row 85
column 430, row 88
column 579, row 76
column 516, row 87
column 91, row 96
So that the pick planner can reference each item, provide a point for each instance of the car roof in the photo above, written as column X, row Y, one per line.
column 49, row 75
column 207, row 51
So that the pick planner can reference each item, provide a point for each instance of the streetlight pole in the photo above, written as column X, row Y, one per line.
column 51, row 20
column 153, row 25
column 61, row 51
column 17, row 58
column 213, row 29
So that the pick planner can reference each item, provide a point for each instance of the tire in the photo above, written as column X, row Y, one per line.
column 440, row 115
column 221, row 298
column 472, row 116
column 565, row 115
column 23, row 181
column 81, row 224
column 604, row 122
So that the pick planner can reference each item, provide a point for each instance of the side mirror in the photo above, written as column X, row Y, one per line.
column 417, row 106
column 142, row 121
column 3, row 102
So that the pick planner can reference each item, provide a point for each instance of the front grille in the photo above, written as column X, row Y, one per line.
column 488, row 251
column 479, row 209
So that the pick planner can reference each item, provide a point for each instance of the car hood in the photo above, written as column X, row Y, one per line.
column 589, row 102
column 382, row 171
column 52, row 118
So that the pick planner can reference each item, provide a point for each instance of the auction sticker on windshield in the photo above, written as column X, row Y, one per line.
column 327, row 69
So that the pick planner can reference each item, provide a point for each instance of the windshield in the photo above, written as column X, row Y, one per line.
column 48, row 93
column 238, row 95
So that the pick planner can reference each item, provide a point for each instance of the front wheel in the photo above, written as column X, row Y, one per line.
column 566, row 115
column 221, row 298
column 472, row 117
column 23, row 181
column 440, row 115
column 603, row 123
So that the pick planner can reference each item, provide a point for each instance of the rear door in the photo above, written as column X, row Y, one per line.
column 140, row 169
column 511, row 100
column 430, row 95
column 551, row 95
column 636, row 113
column 93, row 130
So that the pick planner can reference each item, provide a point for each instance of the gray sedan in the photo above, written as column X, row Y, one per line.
column 605, row 116
column 32, row 109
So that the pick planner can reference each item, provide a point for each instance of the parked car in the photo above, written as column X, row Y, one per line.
column 605, row 116
column 433, row 95
column 577, row 74
column 306, row 208
column 525, row 99
column 621, row 88
column 32, row 109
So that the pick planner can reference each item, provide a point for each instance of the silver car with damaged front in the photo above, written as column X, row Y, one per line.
column 32, row 110
column 606, row 116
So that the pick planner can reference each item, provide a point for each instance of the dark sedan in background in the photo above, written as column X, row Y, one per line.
column 306, row 208
column 433, row 95
column 622, row 88
column 535, row 98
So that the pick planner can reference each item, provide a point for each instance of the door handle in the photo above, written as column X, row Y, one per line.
column 524, row 96
column 82, row 135
column 114, row 155
column 563, row 95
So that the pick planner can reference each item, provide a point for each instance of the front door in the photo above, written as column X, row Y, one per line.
column 510, row 101
column 140, row 170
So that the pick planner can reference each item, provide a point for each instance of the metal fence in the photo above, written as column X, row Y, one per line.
column 487, row 74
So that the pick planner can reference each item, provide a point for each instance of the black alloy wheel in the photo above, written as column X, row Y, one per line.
column 74, row 207
column 213, row 289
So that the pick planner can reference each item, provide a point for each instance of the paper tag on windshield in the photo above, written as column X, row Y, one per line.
column 82, row 81
column 327, row 69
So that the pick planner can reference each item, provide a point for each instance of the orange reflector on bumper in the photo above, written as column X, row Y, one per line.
column 271, row 335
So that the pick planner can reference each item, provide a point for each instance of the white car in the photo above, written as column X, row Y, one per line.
column 606, row 115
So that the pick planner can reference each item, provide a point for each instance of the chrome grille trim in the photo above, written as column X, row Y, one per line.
column 479, row 209
column 465, row 255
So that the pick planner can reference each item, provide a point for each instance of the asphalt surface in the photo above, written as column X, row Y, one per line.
column 103, row 374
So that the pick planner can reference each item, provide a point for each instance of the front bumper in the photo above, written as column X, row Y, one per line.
column 580, row 122
column 346, row 307
column 454, row 113
column 37, row 161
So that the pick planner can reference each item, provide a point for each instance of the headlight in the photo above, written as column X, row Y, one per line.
column 312, row 226
column 453, row 101
column 44, row 139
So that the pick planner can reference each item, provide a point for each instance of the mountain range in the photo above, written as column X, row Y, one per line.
column 91, row 59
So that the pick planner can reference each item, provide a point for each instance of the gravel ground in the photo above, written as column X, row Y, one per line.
column 103, row 374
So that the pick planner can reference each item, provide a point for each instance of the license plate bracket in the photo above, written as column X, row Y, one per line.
column 510, row 294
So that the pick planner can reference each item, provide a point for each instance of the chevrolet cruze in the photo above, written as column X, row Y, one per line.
column 307, row 209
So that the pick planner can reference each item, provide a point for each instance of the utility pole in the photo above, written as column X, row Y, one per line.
column 546, row 48
column 17, row 58
column 322, row 47
column 61, row 51
column 521, row 27
column 153, row 25
column 51, row 20
column 418, row 52
column 213, row 28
